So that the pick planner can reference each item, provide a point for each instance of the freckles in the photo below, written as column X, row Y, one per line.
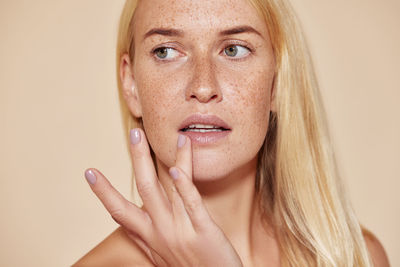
column 159, row 94
column 252, row 94
column 250, row 105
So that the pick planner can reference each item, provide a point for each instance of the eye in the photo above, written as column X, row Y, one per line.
column 162, row 53
column 234, row 50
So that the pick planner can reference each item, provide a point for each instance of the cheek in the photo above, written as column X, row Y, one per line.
column 252, row 108
column 159, row 104
column 252, row 101
column 157, row 95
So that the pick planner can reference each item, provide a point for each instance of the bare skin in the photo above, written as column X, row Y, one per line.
column 215, row 189
column 109, row 251
column 200, row 76
column 180, row 234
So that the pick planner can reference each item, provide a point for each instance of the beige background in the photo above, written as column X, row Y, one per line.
column 59, row 115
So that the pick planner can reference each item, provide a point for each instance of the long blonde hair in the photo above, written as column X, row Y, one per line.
column 297, row 178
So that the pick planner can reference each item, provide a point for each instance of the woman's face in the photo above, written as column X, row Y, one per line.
column 217, row 60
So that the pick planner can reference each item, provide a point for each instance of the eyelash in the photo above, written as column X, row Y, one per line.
column 153, row 52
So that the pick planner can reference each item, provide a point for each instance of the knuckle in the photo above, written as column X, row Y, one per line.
column 118, row 215
column 139, row 152
column 192, row 205
column 145, row 189
column 102, row 192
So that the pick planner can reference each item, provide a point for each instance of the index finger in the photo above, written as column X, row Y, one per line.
column 121, row 210
column 184, row 155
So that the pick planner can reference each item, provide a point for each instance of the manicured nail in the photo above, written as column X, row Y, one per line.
column 90, row 177
column 174, row 173
column 181, row 140
column 135, row 136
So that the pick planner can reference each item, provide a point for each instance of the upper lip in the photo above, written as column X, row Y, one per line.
column 204, row 119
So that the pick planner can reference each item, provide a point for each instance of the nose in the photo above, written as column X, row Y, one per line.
column 203, row 85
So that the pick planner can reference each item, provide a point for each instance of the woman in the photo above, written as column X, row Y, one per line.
column 230, row 152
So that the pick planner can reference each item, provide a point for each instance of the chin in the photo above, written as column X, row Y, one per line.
column 223, row 166
column 210, row 168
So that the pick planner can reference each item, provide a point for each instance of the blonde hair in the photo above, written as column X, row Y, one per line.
column 297, row 178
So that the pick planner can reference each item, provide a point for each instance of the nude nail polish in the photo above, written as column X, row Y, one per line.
column 174, row 173
column 90, row 177
column 135, row 136
column 181, row 140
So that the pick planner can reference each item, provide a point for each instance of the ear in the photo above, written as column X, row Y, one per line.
column 129, row 88
column 272, row 97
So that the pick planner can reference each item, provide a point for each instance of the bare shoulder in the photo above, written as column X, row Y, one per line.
column 116, row 250
column 376, row 250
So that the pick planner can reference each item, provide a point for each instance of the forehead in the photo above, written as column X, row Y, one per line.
column 202, row 16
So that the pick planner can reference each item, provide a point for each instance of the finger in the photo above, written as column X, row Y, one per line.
column 181, row 218
column 125, row 213
column 184, row 155
column 183, row 161
column 148, row 185
column 191, row 198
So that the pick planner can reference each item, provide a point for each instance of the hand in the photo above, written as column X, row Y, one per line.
column 174, row 230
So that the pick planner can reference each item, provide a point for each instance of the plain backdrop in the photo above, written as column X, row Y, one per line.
column 59, row 114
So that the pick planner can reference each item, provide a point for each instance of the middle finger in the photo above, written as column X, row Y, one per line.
column 149, row 187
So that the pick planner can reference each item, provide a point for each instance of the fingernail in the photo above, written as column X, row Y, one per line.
column 90, row 177
column 135, row 136
column 181, row 140
column 174, row 173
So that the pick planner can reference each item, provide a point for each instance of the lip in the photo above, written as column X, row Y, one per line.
column 204, row 119
column 207, row 138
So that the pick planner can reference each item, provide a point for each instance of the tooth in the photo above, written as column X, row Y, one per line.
column 192, row 126
column 204, row 131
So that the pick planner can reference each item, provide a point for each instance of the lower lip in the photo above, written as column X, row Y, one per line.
column 205, row 138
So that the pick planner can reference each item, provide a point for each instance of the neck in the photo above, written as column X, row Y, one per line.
column 231, row 201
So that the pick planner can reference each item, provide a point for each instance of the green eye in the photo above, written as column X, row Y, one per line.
column 231, row 50
column 161, row 52
column 234, row 50
column 165, row 53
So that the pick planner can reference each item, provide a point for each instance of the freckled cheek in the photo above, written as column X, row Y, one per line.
column 158, row 103
column 158, row 92
column 156, row 116
column 254, row 107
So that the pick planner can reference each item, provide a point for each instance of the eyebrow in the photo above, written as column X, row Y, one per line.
column 180, row 33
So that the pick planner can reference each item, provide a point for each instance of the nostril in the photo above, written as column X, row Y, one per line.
column 204, row 94
column 212, row 97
